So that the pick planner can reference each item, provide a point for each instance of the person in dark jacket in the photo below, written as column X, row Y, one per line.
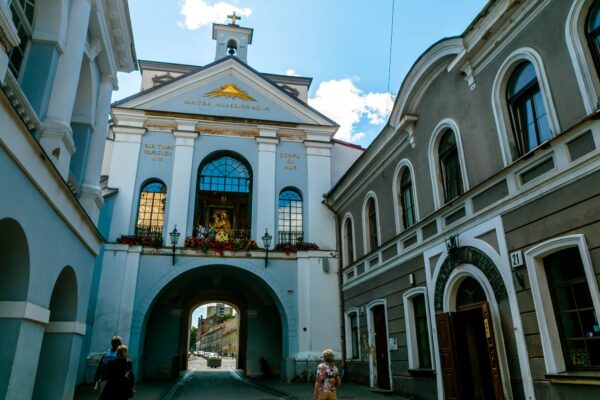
column 119, row 377
column 108, row 355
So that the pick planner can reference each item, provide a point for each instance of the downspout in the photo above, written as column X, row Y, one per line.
column 340, row 281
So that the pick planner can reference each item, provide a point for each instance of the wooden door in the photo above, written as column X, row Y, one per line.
column 450, row 377
column 381, row 347
column 492, row 351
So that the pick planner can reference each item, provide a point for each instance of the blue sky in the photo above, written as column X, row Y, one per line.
column 342, row 44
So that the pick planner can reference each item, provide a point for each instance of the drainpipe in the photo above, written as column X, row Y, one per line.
column 340, row 281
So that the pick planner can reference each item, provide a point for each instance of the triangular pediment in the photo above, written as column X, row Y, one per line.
column 227, row 89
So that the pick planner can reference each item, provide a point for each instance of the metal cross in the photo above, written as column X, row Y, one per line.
column 234, row 18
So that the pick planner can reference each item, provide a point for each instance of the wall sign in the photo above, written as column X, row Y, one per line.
column 516, row 259
column 158, row 152
column 393, row 344
column 290, row 160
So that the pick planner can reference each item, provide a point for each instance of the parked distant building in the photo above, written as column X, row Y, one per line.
column 221, row 339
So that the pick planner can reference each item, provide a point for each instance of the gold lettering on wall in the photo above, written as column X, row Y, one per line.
column 290, row 160
column 158, row 152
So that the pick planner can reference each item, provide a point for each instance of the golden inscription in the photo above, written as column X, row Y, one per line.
column 158, row 151
column 290, row 161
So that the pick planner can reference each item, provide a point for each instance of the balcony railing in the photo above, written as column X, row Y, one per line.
column 293, row 238
column 149, row 232
column 221, row 235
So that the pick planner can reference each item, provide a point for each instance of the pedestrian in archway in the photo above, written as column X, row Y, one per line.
column 107, row 356
column 119, row 377
column 328, row 378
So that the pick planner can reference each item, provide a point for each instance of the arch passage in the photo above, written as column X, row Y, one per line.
column 166, row 334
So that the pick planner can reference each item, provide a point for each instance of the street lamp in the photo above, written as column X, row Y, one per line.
column 266, row 239
column 174, row 239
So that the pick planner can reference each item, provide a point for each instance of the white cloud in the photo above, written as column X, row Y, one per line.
column 291, row 72
column 342, row 101
column 199, row 13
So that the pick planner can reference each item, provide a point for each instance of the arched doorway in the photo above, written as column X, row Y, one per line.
column 166, row 330
column 56, row 354
column 14, row 285
column 223, row 197
column 469, row 357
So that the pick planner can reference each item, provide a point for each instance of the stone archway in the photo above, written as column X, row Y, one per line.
column 14, row 287
column 265, row 302
column 60, row 338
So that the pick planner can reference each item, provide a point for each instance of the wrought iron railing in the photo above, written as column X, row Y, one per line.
column 294, row 238
column 149, row 232
column 221, row 235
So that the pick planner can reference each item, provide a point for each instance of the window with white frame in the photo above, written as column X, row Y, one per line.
column 352, row 335
column 567, row 302
column 528, row 113
column 407, row 201
column 592, row 33
column 348, row 241
column 417, row 329
column 22, row 14
column 371, row 224
column 450, row 171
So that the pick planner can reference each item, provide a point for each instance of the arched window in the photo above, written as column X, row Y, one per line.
column 528, row 114
column 592, row 33
column 151, row 209
column 232, row 47
column 451, row 174
column 349, row 241
column 290, row 216
column 22, row 14
column 407, row 200
column 371, row 228
column 223, row 198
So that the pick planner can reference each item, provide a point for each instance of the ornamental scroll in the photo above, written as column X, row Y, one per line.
column 473, row 256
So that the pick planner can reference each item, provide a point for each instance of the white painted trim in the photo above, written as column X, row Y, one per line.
column 371, row 334
column 365, row 222
column 411, row 332
column 24, row 310
column 227, row 68
column 347, row 217
column 348, row 332
column 583, row 63
column 74, row 327
column 449, row 305
column 500, row 107
column 397, row 201
column 436, row 176
column 417, row 80
column 551, row 345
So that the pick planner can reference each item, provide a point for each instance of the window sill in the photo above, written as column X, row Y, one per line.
column 421, row 372
column 575, row 378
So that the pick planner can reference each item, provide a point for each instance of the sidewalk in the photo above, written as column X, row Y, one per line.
column 145, row 391
column 304, row 391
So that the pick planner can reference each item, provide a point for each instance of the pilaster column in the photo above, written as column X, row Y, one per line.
column 57, row 138
column 179, row 193
column 265, row 179
column 123, row 172
column 320, row 220
column 91, row 195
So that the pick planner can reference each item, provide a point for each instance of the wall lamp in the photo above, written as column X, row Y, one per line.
column 174, row 234
column 266, row 239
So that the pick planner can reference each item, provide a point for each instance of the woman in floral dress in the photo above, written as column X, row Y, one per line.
column 327, row 379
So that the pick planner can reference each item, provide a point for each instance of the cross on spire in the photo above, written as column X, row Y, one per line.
column 234, row 18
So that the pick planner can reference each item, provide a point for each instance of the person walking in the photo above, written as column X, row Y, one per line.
column 107, row 356
column 328, row 378
column 119, row 377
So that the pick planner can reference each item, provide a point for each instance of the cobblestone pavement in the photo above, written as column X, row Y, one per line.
column 225, row 383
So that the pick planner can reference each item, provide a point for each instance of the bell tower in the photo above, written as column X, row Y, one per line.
column 232, row 39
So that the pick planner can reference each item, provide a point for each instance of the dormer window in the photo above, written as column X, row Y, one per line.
column 232, row 47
